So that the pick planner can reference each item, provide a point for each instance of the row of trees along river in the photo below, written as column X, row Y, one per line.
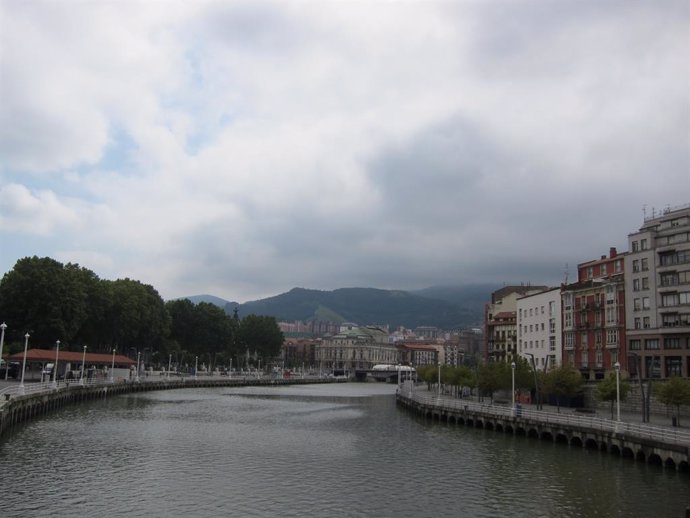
column 54, row 301
column 561, row 384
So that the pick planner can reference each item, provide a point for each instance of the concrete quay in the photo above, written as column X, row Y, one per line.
column 39, row 399
column 661, row 445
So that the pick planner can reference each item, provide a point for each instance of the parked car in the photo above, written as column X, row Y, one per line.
column 10, row 370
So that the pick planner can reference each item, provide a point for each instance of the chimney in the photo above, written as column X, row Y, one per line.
column 612, row 252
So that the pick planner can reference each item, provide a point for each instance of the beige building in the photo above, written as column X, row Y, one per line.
column 657, row 295
column 355, row 349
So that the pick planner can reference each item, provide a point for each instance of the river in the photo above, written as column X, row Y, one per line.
column 307, row 451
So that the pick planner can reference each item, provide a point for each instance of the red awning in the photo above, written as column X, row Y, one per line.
column 46, row 355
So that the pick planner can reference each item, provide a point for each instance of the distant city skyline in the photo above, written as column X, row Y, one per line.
column 242, row 149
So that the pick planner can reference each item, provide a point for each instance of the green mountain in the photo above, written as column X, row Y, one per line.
column 374, row 306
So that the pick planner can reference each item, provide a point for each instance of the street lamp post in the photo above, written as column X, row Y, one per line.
column 83, row 361
column 136, row 378
column 112, row 368
column 617, row 366
column 55, row 366
column 3, row 326
column 536, row 381
column 169, row 362
column 439, row 379
column 512, row 366
column 20, row 389
column 196, row 365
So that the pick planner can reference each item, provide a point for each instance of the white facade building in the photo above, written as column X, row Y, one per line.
column 539, row 328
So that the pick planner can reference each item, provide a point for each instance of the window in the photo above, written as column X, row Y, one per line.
column 645, row 283
column 585, row 358
column 670, row 320
column 611, row 336
column 636, row 265
column 611, row 316
column 669, row 299
column 542, row 326
column 635, row 246
column 599, row 358
column 583, row 340
column 645, row 322
column 636, row 284
column 552, row 325
column 651, row 344
column 644, row 263
column 645, row 302
column 618, row 266
column 603, row 269
column 597, row 338
column 684, row 297
column 643, row 244
column 673, row 366
column 542, row 310
column 638, row 323
column 672, row 343
column 552, row 343
column 634, row 345
column 590, row 272
column 636, row 305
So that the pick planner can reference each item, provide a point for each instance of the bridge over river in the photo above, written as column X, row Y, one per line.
column 665, row 446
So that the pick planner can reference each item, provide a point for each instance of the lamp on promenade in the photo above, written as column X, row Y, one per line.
column 55, row 371
column 112, row 368
column 3, row 326
column 512, row 366
column 196, row 365
column 439, row 379
column 83, row 361
column 169, row 362
column 136, row 378
column 617, row 366
column 20, row 389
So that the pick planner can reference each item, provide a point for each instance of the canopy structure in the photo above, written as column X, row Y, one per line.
column 47, row 355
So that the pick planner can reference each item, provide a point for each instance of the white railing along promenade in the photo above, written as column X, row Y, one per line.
column 46, row 387
column 640, row 431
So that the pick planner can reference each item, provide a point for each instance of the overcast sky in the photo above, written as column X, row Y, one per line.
column 244, row 148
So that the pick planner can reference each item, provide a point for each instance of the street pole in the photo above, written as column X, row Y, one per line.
column 3, row 326
column 83, row 360
column 617, row 366
column 112, row 368
column 21, row 383
column 196, row 365
column 169, row 362
column 536, row 381
column 512, row 366
column 55, row 366
column 439, row 379
column 136, row 378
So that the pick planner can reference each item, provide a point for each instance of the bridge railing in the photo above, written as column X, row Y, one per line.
column 641, row 431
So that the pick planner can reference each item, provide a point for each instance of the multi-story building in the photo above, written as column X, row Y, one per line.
column 539, row 328
column 594, row 316
column 500, row 321
column 417, row 353
column 658, row 295
column 355, row 349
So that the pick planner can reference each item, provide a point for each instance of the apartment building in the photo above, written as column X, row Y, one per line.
column 658, row 295
column 500, row 321
column 594, row 316
column 539, row 328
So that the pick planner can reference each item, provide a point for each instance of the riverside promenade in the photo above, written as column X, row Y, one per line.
column 652, row 443
column 19, row 404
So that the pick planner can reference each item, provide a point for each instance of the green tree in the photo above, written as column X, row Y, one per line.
column 606, row 389
column 47, row 299
column 492, row 377
column 260, row 335
column 562, row 382
column 674, row 392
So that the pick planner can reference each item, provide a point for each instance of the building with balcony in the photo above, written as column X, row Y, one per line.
column 594, row 316
column 658, row 295
column 500, row 321
column 355, row 349
column 539, row 328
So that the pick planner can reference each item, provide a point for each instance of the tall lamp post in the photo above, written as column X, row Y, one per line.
column 83, row 361
column 617, row 366
column 20, row 389
column 3, row 326
column 439, row 379
column 112, row 368
column 196, row 365
column 536, row 381
column 169, row 362
column 512, row 367
column 136, row 378
column 55, row 369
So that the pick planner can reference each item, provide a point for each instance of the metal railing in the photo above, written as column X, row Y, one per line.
column 639, row 431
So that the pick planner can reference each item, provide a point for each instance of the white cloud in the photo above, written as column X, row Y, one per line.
column 247, row 147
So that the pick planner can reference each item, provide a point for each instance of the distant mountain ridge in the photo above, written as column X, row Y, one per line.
column 445, row 307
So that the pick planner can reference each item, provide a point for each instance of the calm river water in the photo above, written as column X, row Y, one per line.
column 307, row 451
